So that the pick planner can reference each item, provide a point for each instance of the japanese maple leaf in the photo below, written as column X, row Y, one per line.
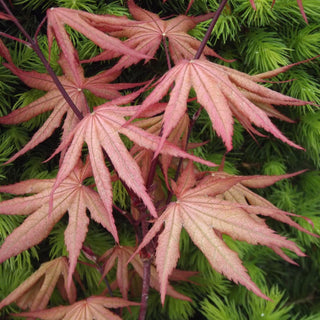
column 239, row 193
column 178, row 136
column 205, row 217
column 53, row 100
column 70, row 196
column 35, row 292
column 224, row 93
column 94, row 307
column 101, row 131
column 5, row 16
column 149, row 31
column 122, row 254
column 274, row 1
column 93, row 26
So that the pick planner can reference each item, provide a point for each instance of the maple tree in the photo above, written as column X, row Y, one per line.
column 140, row 140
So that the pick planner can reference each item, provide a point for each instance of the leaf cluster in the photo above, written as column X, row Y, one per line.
column 153, row 153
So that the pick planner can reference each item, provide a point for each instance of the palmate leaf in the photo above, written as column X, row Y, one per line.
column 94, row 307
column 122, row 254
column 178, row 136
column 240, row 194
column 35, row 292
column 148, row 32
column 205, row 216
column 93, row 26
column 101, row 131
column 70, row 196
column 74, row 84
column 224, row 93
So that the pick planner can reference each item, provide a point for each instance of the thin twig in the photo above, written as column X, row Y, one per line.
column 197, row 113
column 147, row 259
column 3, row 34
column 191, row 125
column 34, row 45
column 164, row 41
column 209, row 31
column 39, row 27
column 147, row 262
column 145, row 289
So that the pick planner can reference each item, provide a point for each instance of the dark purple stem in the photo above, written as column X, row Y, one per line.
column 39, row 27
column 145, row 289
column 34, row 45
column 14, row 38
column 147, row 260
column 208, row 33
column 192, row 123
column 166, row 51
column 197, row 56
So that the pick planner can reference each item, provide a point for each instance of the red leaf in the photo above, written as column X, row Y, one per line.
column 74, row 82
column 205, row 216
column 223, row 92
column 101, row 131
column 35, row 292
column 148, row 32
column 5, row 16
column 94, row 307
column 239, row 193
column 122, row 255
column 178, row 137
column 90, row 25
column 70, row 196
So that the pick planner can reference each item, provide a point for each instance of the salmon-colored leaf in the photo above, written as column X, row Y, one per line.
column 93, row 26
column 240, row 194
column 148, row 32
column 70, row 196
column 74, row 84
column 101, row 131
column 35, row 292
column 122, row 254
column 206, row 211
column 224, row 93
column 178, row 136
column 5, row 16
column 94, row 307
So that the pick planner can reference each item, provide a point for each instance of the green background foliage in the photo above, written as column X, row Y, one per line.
column 259, row 41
